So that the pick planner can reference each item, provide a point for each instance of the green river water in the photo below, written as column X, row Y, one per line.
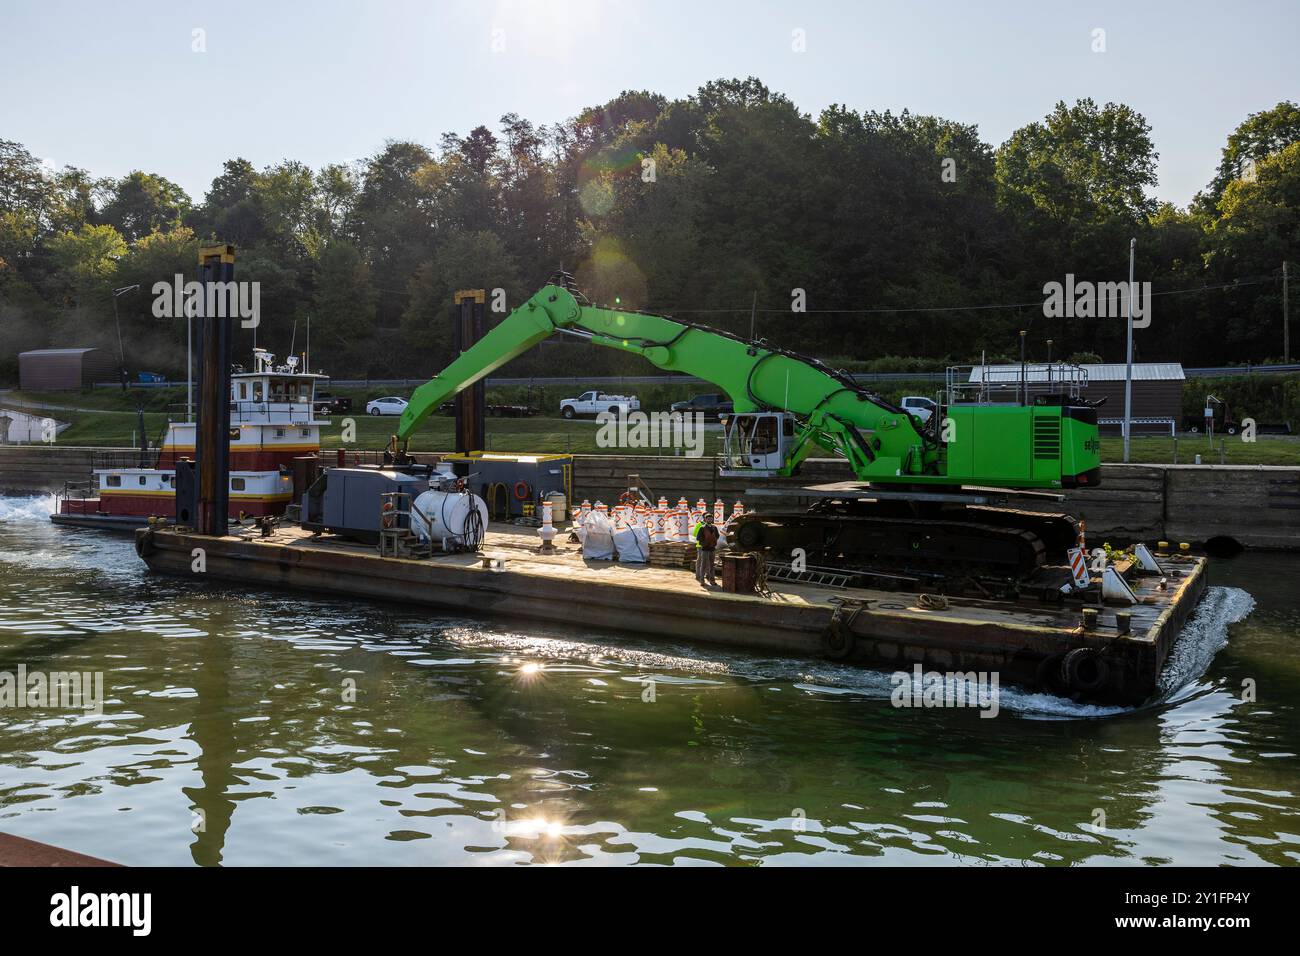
column 229, row 736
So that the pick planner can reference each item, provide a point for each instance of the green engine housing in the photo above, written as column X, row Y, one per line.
column 1043, row 446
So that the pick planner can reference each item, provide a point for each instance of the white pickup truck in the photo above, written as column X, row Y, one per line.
column 594, row 402
column 922, row 408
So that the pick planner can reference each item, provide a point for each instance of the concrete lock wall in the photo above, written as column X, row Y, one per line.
column 1257, row 506
column 39, row 469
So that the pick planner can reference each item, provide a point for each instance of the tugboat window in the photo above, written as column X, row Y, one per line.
column 236, row 484
column 115, row 481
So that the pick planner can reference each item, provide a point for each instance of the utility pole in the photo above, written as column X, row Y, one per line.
column 1286, row 320
column 1128, row 374
column 189, row 359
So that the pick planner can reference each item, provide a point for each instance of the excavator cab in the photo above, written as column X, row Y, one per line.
column 756, row 443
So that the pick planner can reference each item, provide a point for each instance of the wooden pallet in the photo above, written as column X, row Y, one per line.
column 672, row 554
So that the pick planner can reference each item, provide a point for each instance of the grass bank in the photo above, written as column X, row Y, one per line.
column 107, row 417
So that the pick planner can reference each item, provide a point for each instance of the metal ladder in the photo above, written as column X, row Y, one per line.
column 396, row 539
column 821, row 577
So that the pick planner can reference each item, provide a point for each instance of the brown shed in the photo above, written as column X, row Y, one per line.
column 58, row 369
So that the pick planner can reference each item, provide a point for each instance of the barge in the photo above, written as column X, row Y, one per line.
column 1024, row 642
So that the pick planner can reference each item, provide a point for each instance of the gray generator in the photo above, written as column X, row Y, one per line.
column 345, row 501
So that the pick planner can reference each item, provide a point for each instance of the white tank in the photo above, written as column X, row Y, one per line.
column 447, row 515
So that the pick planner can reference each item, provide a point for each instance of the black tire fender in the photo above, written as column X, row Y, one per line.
column 1048, row 674
column 144, row 543
column 1085, row 670
column 837, row 640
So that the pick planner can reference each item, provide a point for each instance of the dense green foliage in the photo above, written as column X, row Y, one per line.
column 915, row 243
column 1269, row 399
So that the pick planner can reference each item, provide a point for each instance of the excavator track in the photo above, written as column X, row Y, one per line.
column 993, row 542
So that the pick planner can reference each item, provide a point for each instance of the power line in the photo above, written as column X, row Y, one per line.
column 1191, row 290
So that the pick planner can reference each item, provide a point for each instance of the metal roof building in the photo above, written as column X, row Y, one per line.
column 45, row 370
column 1157, row 390
column 1110, row 372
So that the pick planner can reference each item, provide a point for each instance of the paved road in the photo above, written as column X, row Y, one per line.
column 23, row 405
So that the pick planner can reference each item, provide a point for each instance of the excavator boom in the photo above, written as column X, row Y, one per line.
column 788, row 405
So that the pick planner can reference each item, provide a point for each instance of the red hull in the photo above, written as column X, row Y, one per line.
column 244, row 460
column 159, row 506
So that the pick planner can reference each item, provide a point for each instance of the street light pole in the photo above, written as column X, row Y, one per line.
column 1024, row 385
column 117, row 323
column 121, row 357
column 1128, row 374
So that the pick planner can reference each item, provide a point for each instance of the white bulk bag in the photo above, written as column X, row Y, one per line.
column 598, row 544
column 633, row 545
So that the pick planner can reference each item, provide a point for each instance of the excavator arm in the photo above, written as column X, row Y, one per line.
column 879, row 440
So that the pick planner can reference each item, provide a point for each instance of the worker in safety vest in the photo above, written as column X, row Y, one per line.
column 705, row 534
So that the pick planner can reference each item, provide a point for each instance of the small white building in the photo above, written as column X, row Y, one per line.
column 25, row 428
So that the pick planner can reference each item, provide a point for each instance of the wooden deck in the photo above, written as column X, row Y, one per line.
column 890, row 629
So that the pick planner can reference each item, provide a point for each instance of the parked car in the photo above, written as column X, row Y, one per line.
column 392, row 405
column 921, row 407
column 711, row 405
column 594, row 402
column 332, row 404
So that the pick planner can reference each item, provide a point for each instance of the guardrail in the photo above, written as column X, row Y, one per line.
column 1136, row 422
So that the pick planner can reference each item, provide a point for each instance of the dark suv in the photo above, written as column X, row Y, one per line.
column 710, row 406
column 332, row 404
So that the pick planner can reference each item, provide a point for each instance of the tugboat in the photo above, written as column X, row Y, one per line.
column 273, row 420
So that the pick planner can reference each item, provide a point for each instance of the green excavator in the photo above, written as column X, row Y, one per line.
column 923, row 490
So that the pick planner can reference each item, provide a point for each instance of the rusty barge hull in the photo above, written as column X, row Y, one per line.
column 1021, row 641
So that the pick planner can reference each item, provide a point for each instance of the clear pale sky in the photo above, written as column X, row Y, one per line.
column 116, row 87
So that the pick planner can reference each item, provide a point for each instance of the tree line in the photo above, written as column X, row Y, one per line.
column 908, row 241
